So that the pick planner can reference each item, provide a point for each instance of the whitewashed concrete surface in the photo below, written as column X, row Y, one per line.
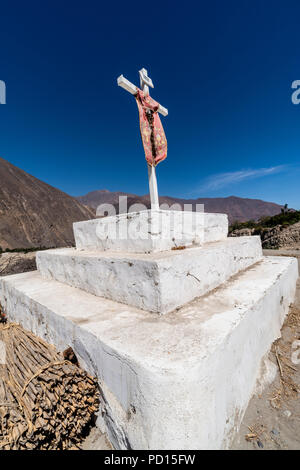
column 178, row 381
column 150, row 231
column 157, row 282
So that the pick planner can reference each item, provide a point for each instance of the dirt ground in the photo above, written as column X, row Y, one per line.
column 96, row 441
column 14, row 263
column 272, row 420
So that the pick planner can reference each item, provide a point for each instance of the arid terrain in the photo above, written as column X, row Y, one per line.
column 14, row 263
column 237, row 208
column 275, row 237
column 34, row 214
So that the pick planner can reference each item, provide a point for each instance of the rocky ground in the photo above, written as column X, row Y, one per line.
column 34, row 214
column 280, row 236
column 14, row 263
column 275, row 237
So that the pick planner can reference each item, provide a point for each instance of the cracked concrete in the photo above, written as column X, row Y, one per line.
column 157, row 282
column 150, row 231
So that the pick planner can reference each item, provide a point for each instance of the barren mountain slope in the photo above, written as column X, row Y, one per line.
column 238, row 209
column 34, row 214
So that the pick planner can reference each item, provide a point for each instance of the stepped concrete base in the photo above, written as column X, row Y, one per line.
column 157, row 282
column 179, row 381
column 150, row 231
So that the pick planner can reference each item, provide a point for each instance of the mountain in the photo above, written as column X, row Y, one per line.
column 237, row 208
column 104, row 196
column 34, row 214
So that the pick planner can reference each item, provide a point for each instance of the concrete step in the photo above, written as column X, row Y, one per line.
column 156, row 282
column 150, row 231
column 179, row 381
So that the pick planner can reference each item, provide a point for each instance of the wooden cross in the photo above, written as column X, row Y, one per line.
column 145, row 83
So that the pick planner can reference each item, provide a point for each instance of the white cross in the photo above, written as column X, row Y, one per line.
column 145, row 83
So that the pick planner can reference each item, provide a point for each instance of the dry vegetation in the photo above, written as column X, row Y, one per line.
column 46, row 401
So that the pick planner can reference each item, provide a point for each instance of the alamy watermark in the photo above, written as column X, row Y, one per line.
column 296, row 94
column 137, row 222
column 2, row 92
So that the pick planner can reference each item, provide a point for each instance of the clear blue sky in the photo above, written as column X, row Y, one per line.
column 223, row 69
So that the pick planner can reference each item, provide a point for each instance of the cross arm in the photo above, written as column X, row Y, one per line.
column 128, row 86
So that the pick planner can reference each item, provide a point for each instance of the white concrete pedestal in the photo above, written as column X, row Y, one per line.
column 150, row 231
column 176, row 381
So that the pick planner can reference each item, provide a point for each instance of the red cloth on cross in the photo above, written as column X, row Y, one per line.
column 152, row 132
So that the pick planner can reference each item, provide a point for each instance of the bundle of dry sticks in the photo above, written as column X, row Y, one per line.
column 46, row 401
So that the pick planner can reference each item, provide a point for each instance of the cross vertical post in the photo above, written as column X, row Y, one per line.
column 145, row 83
column 153, row 188
column 154, row 199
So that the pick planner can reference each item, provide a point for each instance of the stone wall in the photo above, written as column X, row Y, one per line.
column 274, row 237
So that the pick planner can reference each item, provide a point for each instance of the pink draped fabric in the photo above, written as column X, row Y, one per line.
column 152, row 132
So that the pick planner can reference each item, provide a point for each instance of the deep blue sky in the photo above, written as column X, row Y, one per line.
column 223, row 69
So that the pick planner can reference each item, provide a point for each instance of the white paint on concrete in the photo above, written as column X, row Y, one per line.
column 178, row 381
column 157, row 282
column 215, row 227
column 150, row 231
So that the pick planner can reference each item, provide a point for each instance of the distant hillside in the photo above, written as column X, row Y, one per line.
column 34, row 214
column 238, row 209
column 281, row 230
column 92, row 199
